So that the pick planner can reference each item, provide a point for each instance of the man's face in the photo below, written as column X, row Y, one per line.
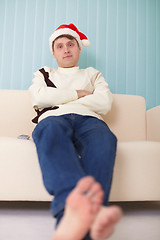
column 66, row 52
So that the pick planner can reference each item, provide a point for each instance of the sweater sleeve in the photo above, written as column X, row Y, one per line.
column 43, row 96
column 100, row 101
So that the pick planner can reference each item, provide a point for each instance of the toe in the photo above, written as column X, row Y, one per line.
column 85, row 184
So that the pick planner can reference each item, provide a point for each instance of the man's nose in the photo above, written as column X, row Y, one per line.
column 66, row 49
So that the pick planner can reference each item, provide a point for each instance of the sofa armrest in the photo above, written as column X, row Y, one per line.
column 153, row 124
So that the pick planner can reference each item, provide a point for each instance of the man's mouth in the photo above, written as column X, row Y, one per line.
column 67, row 56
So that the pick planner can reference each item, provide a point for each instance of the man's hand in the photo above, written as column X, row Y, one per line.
column 83, row 93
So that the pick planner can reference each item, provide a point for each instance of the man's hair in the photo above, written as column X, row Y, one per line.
column 64, row 35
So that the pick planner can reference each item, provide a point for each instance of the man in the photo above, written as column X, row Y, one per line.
column 71, row 138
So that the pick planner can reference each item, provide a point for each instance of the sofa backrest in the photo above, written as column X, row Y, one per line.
column 16, row 113
column 127, row 119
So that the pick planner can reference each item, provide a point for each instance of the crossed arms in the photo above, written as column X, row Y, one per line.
column 99, row 101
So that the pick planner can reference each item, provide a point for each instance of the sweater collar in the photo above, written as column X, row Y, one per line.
column 68, row 70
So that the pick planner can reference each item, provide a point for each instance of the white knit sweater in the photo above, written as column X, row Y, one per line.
column 67, row 81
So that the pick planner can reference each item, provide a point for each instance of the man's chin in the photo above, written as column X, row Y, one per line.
column 68, row 66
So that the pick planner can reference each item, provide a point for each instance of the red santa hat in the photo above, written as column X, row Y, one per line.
column 72, row 30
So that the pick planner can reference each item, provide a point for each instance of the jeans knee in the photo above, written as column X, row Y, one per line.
column 110, row 144
column 46, row 129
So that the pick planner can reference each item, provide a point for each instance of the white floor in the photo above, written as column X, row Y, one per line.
column 33, row 221
column 141, row 221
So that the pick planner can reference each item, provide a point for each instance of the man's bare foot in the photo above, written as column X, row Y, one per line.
column 82, row 206
column 104, row 224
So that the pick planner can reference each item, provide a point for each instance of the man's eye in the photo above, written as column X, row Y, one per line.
column 71, row 44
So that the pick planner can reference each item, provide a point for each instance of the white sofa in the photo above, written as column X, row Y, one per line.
column 137, row 167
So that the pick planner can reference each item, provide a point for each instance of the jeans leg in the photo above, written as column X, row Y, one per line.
column 59, row 162
column 98, row 151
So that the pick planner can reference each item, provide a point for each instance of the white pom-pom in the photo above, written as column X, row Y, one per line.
column 85, row 42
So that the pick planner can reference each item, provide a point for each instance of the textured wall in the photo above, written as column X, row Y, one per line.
column 124, row 35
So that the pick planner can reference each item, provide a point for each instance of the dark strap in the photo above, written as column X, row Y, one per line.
column 46, row 78
column 39, row 113
column 49, row 84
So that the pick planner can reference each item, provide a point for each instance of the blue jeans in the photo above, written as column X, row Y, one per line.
column 70, row 147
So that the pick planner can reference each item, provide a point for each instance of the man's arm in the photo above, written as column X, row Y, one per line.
column 43, row 96
column 100, row 101
column 82, row 93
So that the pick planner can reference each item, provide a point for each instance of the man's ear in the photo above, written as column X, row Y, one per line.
column 53, row 54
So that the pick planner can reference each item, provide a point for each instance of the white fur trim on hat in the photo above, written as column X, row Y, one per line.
column 62, row 31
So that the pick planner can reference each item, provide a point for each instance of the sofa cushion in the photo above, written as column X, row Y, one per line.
column 136, row 173
column 127, row 118
column 20, row 173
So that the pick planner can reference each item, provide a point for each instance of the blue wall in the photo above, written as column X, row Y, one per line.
column 124, row 36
